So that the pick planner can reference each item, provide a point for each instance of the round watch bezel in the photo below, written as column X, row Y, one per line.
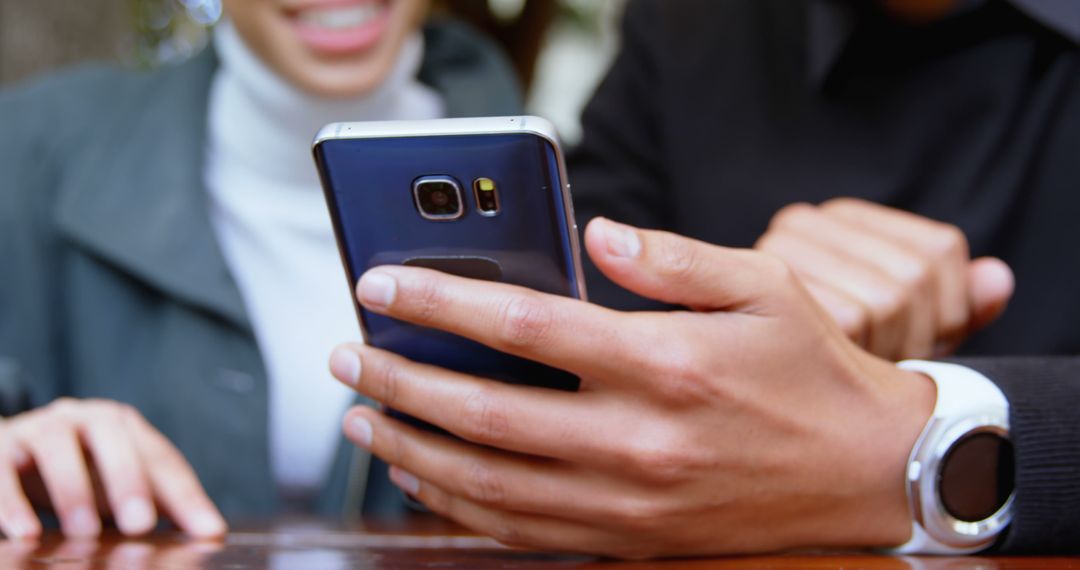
column 923, row 477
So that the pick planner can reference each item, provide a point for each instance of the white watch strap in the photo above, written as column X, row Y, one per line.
column 961, row 393
column 960, row 390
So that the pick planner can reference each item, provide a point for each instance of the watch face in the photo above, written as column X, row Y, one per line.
column 976, row 477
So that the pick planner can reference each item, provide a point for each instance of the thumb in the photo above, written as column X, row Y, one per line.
column 679, row 270
column 990, row 286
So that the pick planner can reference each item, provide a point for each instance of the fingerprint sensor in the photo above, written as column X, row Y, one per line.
column 471, row 267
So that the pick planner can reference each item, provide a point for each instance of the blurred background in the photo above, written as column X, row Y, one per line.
column 559, row 48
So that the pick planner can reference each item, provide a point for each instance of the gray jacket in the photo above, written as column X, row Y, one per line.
column 112, row 284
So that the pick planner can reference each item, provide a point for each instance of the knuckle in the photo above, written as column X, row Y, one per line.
column 523, row 321
column 484, row 486
column 157, row 450
column 952, row 324
column 658, row 462
column 129, row 412
column 640, row 514
column 428, row 301
column 65, row 406
column 32, row 430
column 677, row 259
column 135, row 419
column 398, row 448
column 949, row 241
column 683, row 379
column 437, row 501
column 768, row 240
column 916, row 274
column 889, row 303
column 392, row 376
column 507, row 532
column 110, row 409
column 152, row 438
column 843, row 203
column 791, row 215
column 485, row 420
column 853, row 320
column 156, row 454
column 47, row 426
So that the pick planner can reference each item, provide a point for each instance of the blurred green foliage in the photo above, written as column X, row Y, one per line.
column 170, row 30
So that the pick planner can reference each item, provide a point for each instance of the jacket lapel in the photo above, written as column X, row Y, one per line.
column 135, row 196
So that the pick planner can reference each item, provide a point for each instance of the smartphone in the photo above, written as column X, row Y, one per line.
column 483, row 198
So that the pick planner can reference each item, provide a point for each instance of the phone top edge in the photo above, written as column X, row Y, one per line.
column 526, row 124
column 438, row 128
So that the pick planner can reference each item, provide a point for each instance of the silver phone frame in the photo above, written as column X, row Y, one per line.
column 526, row 124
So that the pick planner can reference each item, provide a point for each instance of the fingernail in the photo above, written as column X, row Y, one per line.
column 360, row 431
column 621, row 240
column 345, row 366
column 207, row 524
column 405, row 480
column 136, row 516
column 376, row 290
column 82, row 522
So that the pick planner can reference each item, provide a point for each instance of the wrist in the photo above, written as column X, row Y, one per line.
column 905, row 407
column 920, row 396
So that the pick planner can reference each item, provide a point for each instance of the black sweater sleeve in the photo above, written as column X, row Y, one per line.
column 1044, row 410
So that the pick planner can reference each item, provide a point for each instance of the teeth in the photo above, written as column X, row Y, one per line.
column 339, row 17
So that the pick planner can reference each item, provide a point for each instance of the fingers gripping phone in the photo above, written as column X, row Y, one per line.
column 480, row 198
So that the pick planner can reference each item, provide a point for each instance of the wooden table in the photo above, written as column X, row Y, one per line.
column 413, row 544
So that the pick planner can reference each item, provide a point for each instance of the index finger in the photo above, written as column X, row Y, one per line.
column 569, row 334
column 175, row 483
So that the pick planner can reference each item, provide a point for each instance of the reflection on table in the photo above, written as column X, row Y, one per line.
column 422, row 542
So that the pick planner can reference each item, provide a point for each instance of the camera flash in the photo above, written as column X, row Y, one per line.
column 487, row 196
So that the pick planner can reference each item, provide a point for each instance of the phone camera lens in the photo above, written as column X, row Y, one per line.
column 438, row 198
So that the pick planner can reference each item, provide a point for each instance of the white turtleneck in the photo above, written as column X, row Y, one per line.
column 268, row 212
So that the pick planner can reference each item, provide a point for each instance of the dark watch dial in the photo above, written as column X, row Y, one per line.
column 976, row 477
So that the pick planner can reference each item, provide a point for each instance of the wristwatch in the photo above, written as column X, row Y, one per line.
column 960, row 481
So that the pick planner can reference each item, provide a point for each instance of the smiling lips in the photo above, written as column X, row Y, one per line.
column 341, row 27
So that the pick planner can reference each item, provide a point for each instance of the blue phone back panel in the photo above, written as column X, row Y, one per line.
column 368, row 184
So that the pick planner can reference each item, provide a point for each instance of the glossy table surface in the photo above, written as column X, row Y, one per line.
column 418, row 543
